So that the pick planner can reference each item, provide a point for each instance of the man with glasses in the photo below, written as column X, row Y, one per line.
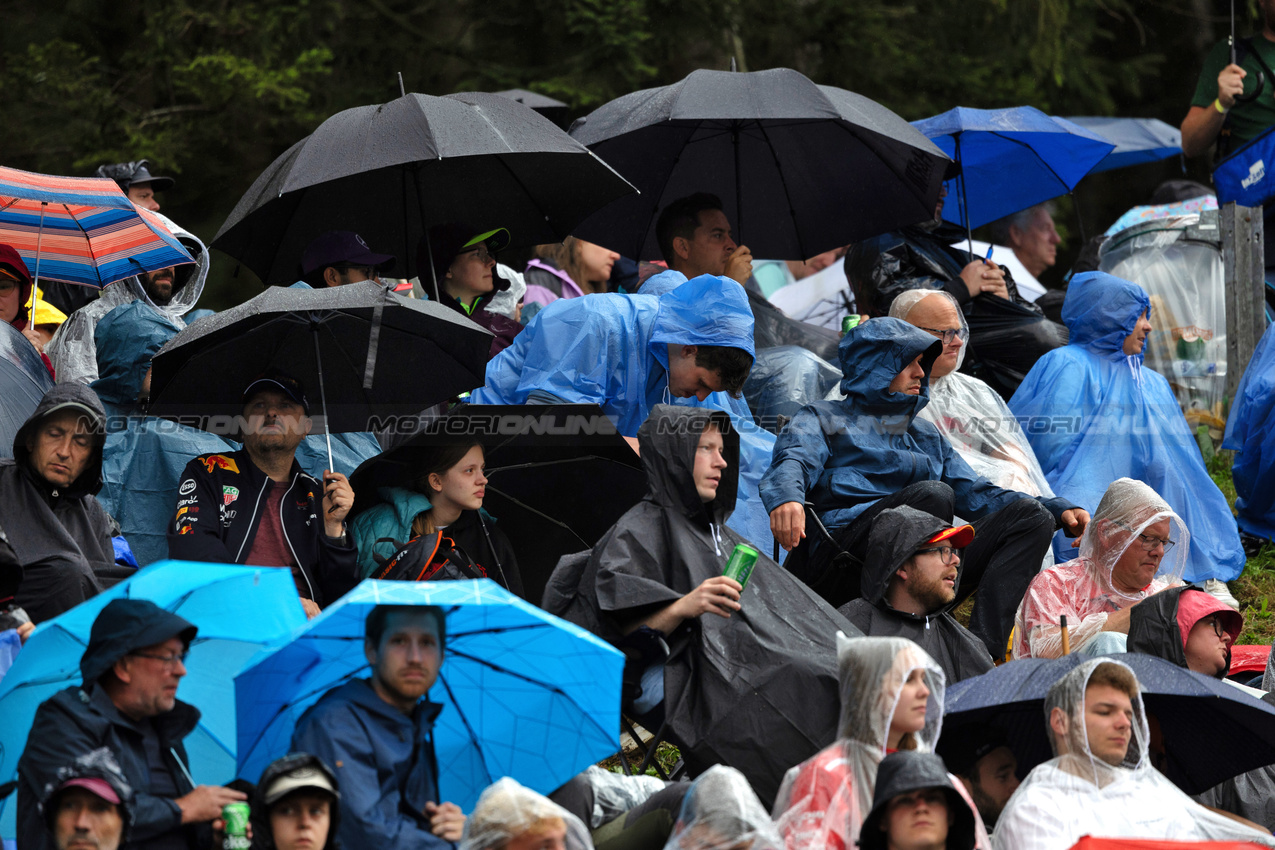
column 911, row 582
column 339, row 257
column 127, row 703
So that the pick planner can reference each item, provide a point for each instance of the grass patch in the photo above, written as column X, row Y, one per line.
column 1255, row 588
column 666, row 755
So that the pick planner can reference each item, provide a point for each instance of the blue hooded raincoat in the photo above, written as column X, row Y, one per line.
column 1250, row 435
column 1094, row 414
column 612, row 350
column 844, row 455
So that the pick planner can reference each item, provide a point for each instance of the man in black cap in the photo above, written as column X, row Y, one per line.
column 128, row 704
column 89, row 805
column 339, row 257
column 257, row 506
column 136, row 181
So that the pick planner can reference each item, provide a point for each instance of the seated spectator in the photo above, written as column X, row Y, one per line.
column 854, row 458
column 721, row 812
column 442, row 517
column 1008, row 333
column 464, row 264
column 136, row 181
column 171, row 292
column 1134, row 548
column 694, row 236
column 511, row 817
column 89, row 804
column 378, row 735
column 296, row 805
column 911, row 583
column 916, row 807
column 969, row 413
column 745, row 675
column 1034, row 239
column 627, row 353
column 288, row 518
column 126, row 339
column 568, row 269
column 127, row 704
column 339, row 257
column 1093, row 414
column 15, row 302
column 1101, row 781
column 56, row 550
column 980, row 757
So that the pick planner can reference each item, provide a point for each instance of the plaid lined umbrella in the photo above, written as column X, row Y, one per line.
column 81, row 229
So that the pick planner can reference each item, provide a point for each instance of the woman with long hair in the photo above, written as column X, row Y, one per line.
column 567, row 269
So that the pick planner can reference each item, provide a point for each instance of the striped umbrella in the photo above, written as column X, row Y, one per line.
column 82, row 229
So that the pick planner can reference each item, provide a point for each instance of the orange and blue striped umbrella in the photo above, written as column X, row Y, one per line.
column 81, row 229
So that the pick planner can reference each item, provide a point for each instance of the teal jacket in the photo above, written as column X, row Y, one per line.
column 392, row 518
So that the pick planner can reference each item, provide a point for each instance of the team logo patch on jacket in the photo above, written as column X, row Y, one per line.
column 229, row 494
column 220, row 462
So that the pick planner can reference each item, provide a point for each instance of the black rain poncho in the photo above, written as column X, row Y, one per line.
column 757, row 691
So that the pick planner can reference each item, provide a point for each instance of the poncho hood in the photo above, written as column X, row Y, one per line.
column 708, row 310
column 872, row 354
column 1160, row 624
column 188, row 278
column 1101, row 310
column 896, row 534
column 126, row 339
column 63, row 397
column 668, row 442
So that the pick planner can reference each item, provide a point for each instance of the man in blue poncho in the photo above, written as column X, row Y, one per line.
column 1250, row 435
column 853, row 459
column 1093, row 414
column 693, row 345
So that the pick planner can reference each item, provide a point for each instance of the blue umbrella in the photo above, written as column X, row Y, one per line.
column 239, row 610
column 1137, row 140
column 524, row 693
column 1212, row 731
column 1010, row 159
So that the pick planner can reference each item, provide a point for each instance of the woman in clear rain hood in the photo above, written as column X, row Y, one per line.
column 1093, row 414
column 1101, row 781
column 756, row 690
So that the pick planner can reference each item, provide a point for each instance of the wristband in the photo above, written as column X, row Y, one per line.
column 1217, row 104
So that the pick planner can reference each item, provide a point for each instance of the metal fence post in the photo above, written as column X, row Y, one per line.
column 1243, row 260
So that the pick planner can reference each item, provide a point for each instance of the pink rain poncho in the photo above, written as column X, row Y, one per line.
column 1082, row 588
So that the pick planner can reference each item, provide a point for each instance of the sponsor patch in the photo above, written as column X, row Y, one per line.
column 188, row 487
column 229, row 494
column 220, row 462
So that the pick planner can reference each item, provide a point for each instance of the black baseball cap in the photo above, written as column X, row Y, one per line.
column 342, row 246
column 282, row 382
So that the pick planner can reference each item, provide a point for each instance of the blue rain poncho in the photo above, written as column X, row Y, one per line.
column 612, row 350
column 1093, row 414
column 1250, row 435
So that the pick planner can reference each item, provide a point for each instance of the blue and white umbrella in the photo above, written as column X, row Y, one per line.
column 524, row 694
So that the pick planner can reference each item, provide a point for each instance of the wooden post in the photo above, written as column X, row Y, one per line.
column 1244, row 268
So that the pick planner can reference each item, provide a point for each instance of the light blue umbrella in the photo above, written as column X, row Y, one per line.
column 524, row 693
column 238, row 610
column 1137, row 140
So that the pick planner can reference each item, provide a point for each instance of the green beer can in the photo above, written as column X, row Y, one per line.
column 848, row 323
column 741, row 563
column 236, row 817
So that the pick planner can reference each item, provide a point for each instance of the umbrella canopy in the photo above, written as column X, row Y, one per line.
column 1211, row 730
column 524, row 694
column 1010, row 159
column 800, row 168
column 1137, row 140
column 23, row 382
column 389, row 171
column 81, row 229
column 238, row 610
column 559, row 476
column 554, row 110
column 370, row 352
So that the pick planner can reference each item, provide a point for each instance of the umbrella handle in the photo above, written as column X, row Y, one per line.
column 323, row 396
column 1066, row 641
column 35, row 280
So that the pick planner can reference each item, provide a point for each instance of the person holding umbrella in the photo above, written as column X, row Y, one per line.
column 339, row 257
column 15, row 299
column 694, row 236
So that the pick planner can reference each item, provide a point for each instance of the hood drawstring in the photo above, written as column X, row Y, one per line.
column 1135, row 368
column 716, row 534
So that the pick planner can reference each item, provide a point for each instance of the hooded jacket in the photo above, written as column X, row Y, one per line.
column 547, row 283
column 844, row 455
column 1094, row 414
column 125, row 341
column 897, row 534
column 82, row 719
column 907, row 771
column 61, row 530
column 1155, row 625
column 384, row 762
column 99, row 764
column 219, row 508
column 73, row 349
column 757, row 691
column 1249, row 435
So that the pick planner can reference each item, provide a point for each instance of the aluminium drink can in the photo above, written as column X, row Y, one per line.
column 236, row 817
column 740, row 565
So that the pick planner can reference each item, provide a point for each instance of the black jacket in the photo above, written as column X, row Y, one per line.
column 758, row 691
column 219, row 506
column 895, row 535
column 1154, row 630
column 62, row 533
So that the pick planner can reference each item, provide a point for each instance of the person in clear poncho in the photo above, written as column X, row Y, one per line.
column 721, row 812
column 891, row 699
column 1135, row 546
column 1101, row 781
column 509, row 816
column 969, row 413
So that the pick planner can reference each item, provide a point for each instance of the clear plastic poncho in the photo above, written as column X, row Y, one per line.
column 507, row 810
column 975, row 419
column 823, row 801
column 1076, row 794
column 721, row 812
column 1082, row 588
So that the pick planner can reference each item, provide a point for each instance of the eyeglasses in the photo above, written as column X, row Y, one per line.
column 1149, row 543
column 168, row 661
column 948, row 334
column 947, row 554
column 480, row 253
column 1216, row 622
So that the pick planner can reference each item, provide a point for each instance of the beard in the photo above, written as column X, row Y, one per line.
column 933, row 594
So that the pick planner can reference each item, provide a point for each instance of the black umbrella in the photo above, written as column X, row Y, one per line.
column 560, row 476
column 803, row 168
column 1212, row 731
column 554, row 110
column 390, row 171
column 374, row 354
